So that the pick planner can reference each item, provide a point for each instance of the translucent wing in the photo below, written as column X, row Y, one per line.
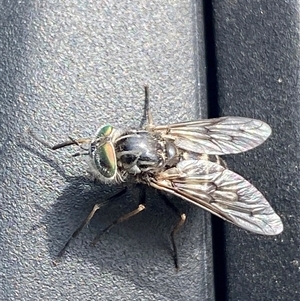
column 217, row 136
column 221, row 192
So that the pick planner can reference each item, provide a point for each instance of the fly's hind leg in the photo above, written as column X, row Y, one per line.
column 147, row 120
column 126, row 216
column 87, row 220
column 175, row 228
column 147, row 107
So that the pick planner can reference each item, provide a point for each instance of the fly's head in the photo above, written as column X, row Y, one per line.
column 103, row 155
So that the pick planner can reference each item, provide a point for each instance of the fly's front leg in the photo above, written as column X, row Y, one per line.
column 87, row 220
column 71, row 141
column 141, row 207
column 175, row 228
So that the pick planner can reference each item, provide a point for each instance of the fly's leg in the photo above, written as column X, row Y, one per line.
column 59, row 145
column 78, row 154
column 126, row 216
column 147, row 118
column 71, row 142
column 87, row 220
column 147, row 107
column 175, row 228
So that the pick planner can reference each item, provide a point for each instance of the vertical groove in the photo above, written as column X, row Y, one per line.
column 211, row 63
column 218, row 234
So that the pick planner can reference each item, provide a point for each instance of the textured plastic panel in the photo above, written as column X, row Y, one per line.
column 66, row 68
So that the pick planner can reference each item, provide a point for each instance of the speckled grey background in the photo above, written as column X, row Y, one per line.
column 66, row 68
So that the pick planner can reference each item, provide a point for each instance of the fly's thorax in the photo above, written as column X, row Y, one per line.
column 103, row 154
column 139, row 151
column 142, row 151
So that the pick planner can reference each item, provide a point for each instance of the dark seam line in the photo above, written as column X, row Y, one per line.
column 218, row 231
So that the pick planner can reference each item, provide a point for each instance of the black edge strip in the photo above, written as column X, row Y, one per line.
column 218, row 232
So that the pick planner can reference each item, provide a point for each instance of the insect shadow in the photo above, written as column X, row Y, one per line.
column 146, row 233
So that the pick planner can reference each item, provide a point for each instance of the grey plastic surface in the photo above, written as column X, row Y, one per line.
column 66, row 68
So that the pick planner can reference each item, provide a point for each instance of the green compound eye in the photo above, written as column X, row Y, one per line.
column 105, row 160
column 105, row 131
